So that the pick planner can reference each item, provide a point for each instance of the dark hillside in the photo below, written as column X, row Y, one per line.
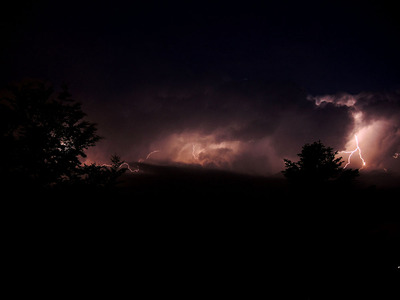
column 193, row 231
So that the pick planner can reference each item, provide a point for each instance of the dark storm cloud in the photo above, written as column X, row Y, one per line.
column 246, row 126
column 169, row 76
column 379, row 105
column 381, row 111
column 106, row 46
column 377, row 122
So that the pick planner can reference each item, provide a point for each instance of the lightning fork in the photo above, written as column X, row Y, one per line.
column 352, row 152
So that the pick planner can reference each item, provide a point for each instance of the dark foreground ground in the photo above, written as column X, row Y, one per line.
column 186, row 233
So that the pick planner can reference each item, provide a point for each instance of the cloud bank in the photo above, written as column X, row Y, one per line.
column 243, row 126
column 376, row 123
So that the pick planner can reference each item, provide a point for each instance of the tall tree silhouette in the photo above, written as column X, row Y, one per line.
column 43, row 134
column 317, row 164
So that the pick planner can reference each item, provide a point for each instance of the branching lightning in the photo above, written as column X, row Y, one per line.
column 195, row 153
column 352, row 152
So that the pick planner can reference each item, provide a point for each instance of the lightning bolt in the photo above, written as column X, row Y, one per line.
column 352, row 152
column 194, row 154
column 121, row 165
column 151, row 153
column 130, row 169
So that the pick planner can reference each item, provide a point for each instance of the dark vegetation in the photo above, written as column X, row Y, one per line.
column 44, row 136
column 319, row 233
column 318, row 166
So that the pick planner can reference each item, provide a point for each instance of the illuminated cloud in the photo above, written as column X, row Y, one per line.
column 376, row 123
column 244, row 126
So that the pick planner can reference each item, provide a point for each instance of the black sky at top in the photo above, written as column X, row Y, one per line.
column 171, row 76
column 109, row 47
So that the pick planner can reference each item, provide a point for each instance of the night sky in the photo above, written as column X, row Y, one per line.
column 231, row 85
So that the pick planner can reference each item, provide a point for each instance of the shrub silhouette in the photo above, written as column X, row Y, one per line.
column 318, row 164
column 105, row 176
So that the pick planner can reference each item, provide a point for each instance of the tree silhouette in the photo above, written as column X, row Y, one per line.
column 43, row 135
column 317, row 164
